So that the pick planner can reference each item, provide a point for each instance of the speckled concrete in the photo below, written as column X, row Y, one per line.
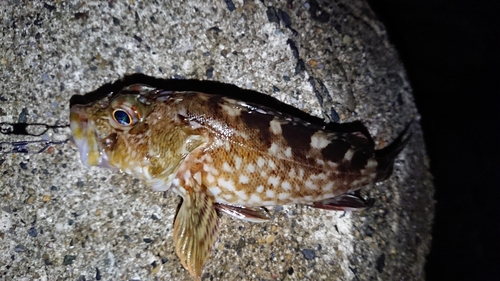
column 61, row 221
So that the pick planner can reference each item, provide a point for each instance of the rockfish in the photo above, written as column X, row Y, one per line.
column 223, row 155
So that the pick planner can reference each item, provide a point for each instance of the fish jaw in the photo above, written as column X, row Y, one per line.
column 84, row 137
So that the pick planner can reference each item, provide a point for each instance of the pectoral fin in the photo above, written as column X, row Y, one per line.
column 195, row 231
column 344, row 202
column 252, row 214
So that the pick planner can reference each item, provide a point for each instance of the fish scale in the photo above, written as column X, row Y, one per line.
column 223, row 174
column 225, row 155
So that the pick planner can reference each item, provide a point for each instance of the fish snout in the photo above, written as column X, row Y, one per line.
column 85, row 138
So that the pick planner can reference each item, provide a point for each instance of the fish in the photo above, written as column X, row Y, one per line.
column 224, row 154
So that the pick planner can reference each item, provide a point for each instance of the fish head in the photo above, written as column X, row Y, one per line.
column 108, row 129
column 136, row 130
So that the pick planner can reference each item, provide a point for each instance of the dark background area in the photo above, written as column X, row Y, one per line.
column 451, row 50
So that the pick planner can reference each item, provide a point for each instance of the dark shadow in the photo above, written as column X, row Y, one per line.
column 450, row 51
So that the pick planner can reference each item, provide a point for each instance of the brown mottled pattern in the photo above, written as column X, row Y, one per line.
column 249, row 160
column 241, row 161
column 359, row 160
column 298, row 137
column 336, row 150
column 258, row 123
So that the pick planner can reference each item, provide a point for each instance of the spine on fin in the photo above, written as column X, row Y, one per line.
column 385, row 157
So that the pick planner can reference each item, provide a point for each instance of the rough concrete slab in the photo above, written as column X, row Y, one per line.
column 62, row 221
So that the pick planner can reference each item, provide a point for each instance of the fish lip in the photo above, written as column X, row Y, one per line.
column 85, row 138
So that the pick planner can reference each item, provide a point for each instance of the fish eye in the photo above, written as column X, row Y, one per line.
column 122, row 117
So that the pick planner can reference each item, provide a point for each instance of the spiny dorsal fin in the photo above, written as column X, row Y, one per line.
column 195, row 231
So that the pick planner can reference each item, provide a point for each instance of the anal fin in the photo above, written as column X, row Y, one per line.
column 344, row 202
column 195, row 231
column 252, row 214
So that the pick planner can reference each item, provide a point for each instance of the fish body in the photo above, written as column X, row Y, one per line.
column 225, row 155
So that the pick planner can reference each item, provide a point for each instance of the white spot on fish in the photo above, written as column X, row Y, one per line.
column 319, row 140
column 227, row 196
column 291, row 174
column 242, row 195
column 255, row 198
column 260, row 162
column 310, row 185
column 348, row 155
column 215, row 190
column 273, row 149
column 283, row 196
column 259, row 188
column 275, row 127
column 286, row 185
column 210, row 169
column 210, row 178
column 237, row 162
column 270, row 193
column 226, row 184
column 288, row 152
column 243, row 179
column 197, row 177
column 214, row 171
column 274, row 181
column 226, row 167
column 271, row 164
column 250, row 168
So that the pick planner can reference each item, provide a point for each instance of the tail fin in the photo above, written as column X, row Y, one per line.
column 385, row 157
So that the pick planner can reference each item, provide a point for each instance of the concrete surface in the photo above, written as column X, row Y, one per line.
column 62, row 221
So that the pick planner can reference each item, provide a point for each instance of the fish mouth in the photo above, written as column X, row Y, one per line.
column 85, row 138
